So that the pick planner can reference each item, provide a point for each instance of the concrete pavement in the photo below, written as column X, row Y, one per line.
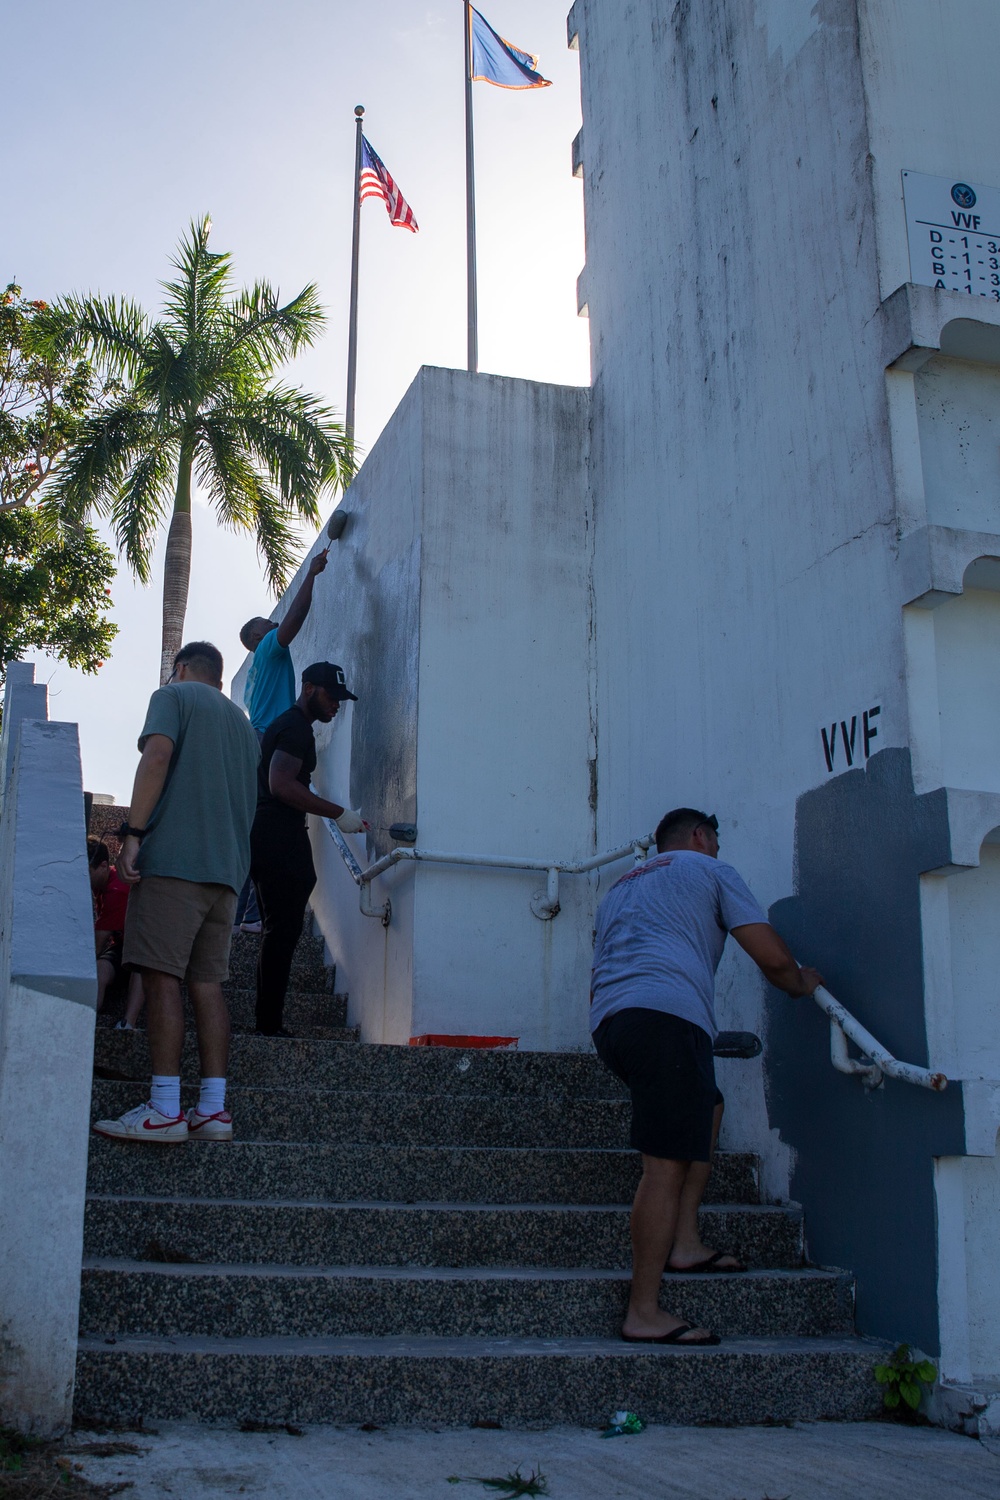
column 802, row 1462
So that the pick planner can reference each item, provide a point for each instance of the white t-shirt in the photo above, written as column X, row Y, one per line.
column 661, row 930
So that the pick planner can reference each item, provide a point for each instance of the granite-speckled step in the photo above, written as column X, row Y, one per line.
column 440, row 1381
column 131, row 1297
column 423, row 1235
column 332, row 1115
column 254, row 1169
column 418, row 1234
column 252, row 1058
column 303, row 1010
column 328, row 1115
column 275, row 1063
column 309, row 969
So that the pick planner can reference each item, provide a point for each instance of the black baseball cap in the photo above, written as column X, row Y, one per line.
column 326, row 674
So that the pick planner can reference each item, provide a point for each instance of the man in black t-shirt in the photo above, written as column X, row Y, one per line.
column 281, row 863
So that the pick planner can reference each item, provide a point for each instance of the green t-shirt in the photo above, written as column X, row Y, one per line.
column 200, row 827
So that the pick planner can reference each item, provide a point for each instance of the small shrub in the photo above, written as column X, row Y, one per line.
column 904, row 1380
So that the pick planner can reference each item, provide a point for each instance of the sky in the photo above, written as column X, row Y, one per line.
column 133, row 118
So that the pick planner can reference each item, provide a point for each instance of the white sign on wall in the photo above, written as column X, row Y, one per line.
column 953, row 229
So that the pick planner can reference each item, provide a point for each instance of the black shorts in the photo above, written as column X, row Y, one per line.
column 668, row 1066
column 112, row 954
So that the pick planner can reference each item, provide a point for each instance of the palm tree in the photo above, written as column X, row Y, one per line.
column 194, row 399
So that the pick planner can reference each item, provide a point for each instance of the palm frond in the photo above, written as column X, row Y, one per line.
column 276, row 539
column 196, row 299
column 114, row 330
column 108, row 442
column 226, row 471
column 142, row 502
column 164, row 382
column 267, row 333
column 298, row 441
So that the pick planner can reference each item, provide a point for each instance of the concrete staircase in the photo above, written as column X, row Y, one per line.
column 424, row 1236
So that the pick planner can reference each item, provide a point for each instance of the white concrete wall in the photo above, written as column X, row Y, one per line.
column 504, row 732
column 968, row 1202
column 929, row 71
column 48, row 989
column 458, row 604
column 365, row 616
column 782, row 524
column 744, row 507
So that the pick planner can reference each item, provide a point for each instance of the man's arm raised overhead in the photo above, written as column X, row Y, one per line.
column 295, row 615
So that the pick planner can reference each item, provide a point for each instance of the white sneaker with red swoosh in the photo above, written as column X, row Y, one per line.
column 144, row 1123
column 217, row 1127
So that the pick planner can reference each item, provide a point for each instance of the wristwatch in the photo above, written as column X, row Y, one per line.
column 127, row 831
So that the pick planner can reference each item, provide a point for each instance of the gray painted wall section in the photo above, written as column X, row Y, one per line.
column 864, row 1161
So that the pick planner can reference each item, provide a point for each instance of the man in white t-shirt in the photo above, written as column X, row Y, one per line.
column 660, row 934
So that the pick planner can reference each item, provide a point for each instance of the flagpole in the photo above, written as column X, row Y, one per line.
column 470, row 198
column 352, row 336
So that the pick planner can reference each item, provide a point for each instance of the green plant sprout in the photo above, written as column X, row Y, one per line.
column 904, row 1379
column 512, row 1485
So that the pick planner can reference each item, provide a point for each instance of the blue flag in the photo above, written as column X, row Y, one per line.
column 500, row 62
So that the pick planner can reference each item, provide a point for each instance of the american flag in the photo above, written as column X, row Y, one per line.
column 376, row 183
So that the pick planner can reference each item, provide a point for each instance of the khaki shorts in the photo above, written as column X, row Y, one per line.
column 180, row 927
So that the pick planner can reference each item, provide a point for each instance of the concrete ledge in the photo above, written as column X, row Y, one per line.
column 981, row 1098
column 968, row 818
column 938, row 562
column 921, row 321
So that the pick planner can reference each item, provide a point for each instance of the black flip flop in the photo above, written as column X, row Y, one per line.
column 675, row 1336
column 708, row 1265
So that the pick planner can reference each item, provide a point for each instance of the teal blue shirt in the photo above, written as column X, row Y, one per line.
column 270, row 688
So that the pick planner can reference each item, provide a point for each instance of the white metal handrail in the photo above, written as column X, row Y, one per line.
column 545, row 905
column 843, row 1026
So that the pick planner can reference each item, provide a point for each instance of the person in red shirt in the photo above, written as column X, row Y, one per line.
column 111, row 895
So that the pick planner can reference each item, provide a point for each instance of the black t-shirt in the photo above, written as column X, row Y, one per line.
column 293, row 733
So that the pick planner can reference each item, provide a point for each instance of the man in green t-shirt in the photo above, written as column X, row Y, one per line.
column 185, row 852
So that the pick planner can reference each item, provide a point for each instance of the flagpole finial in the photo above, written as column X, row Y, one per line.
column 359, row 110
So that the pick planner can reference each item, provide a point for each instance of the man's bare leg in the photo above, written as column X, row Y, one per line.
column 211, row 1014
column 687, row 1248
column 105, row 976
column 654, row 1225
column 136, row 999
column 164, row 1021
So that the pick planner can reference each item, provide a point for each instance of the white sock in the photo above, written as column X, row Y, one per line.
column 165, row 1095
column 212, row 1100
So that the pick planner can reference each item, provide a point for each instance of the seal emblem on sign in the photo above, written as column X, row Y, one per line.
column 963, row 195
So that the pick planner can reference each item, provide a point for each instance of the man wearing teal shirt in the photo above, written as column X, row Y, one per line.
column 270, row 688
